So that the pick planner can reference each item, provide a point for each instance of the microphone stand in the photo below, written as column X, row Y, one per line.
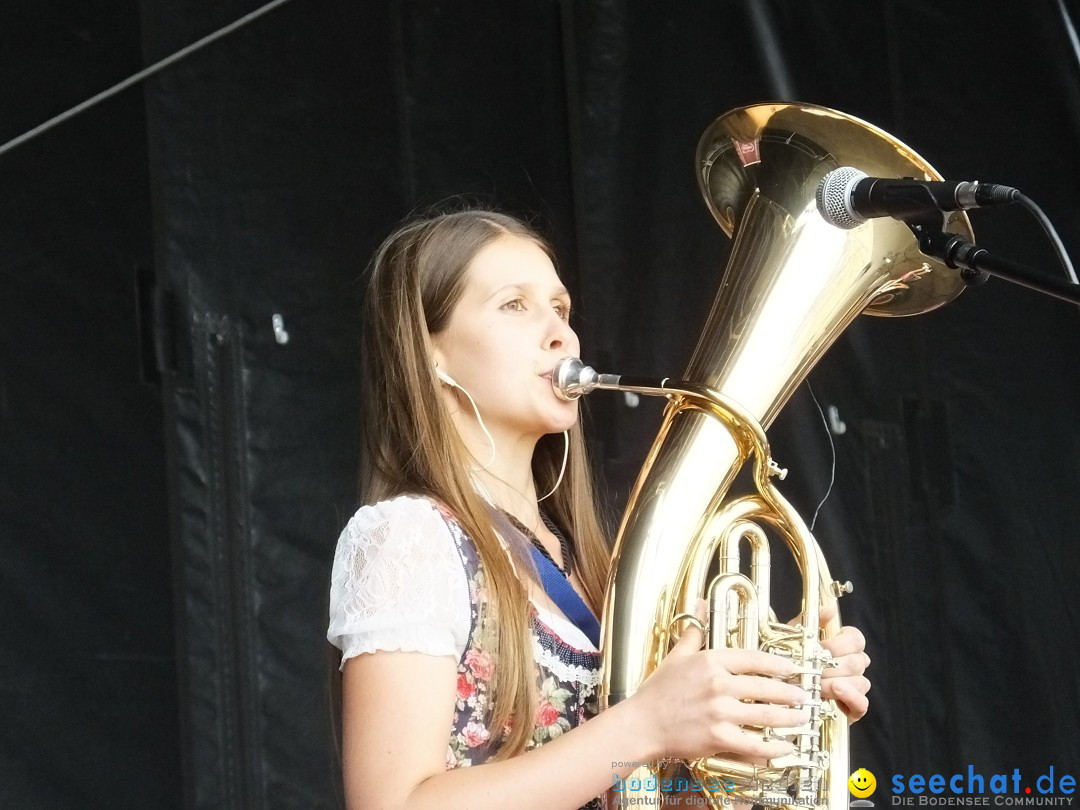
column 976, row 264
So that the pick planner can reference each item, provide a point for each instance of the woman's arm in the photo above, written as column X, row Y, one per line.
column 398, row 709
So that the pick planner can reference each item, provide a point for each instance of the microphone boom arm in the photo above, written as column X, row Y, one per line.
column 976, row 263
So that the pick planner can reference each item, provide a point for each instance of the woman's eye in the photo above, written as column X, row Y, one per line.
column 563, row 311
column 517, row 305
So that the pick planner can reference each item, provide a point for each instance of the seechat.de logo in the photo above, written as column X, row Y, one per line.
column 862, row 783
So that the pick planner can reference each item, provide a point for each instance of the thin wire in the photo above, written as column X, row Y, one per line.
column 832, row 450
column 446, row 378
column 142, row 74
column 1051, row 233
column 1070, row 29
column 562, row 470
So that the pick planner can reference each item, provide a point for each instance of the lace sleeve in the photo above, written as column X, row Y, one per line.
column 398, row 583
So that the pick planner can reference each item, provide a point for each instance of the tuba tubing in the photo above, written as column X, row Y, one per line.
column 793, row 283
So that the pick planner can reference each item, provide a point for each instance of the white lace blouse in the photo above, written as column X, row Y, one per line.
column 398, row 584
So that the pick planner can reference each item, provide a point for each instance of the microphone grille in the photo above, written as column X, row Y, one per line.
column 834, row 197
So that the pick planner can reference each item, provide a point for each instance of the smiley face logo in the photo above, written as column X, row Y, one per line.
column 861, row 783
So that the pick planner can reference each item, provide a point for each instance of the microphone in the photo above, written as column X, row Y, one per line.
column 846, row 197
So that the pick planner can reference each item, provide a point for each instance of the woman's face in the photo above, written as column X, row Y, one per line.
column 504, row 337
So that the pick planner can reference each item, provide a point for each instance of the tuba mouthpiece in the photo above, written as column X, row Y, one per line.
column 571, row 378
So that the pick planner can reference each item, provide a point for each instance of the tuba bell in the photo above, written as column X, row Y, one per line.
column 793, row 283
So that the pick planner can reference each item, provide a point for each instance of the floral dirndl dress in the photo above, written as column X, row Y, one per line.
column 567, row 678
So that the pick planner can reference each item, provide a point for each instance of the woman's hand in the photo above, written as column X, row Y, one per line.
column 693, row 704
column 846, row 683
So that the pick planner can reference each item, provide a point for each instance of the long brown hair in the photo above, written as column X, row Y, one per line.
column 410, row 444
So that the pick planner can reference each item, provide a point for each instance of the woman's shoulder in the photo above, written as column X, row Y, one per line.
column 409, row 524
column 399, row 582
column 398, row 508
column 400, row 512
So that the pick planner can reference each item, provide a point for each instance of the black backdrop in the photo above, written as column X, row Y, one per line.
column 174, row 471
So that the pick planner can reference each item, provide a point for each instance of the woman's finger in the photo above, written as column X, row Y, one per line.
column 847, row 665
column 849, row 693
column 761, row 715
column 754, row 662
column 750, row 746
column 691, row 633
column 764, row 690
column 849, row 640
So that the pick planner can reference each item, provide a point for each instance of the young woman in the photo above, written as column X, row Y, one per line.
column 453, row 653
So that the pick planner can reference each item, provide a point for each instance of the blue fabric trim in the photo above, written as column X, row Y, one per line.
column 562, row 593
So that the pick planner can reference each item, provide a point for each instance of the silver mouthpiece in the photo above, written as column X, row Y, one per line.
column 571, row 378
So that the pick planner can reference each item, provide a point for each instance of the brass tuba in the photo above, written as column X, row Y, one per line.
column 792, row 285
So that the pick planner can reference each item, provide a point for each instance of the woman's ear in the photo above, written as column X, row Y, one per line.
column 442, row 375
column 446, row 378
column 436, row 356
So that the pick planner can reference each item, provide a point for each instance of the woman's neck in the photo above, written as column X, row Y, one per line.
column 509, row 484
column 502, row 464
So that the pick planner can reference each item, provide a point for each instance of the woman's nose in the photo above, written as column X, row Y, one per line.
column 561, row 336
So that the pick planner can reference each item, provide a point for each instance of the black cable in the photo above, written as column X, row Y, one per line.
column 1051, row 232
column 142, row 74
column 832, row 452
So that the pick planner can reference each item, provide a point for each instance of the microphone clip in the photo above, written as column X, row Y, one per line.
column 977, row 264
column 955, row 251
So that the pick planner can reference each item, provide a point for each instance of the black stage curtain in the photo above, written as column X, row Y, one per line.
column 181, row 269
column 88, row 702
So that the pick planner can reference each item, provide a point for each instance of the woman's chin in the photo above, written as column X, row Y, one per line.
column 566, row 421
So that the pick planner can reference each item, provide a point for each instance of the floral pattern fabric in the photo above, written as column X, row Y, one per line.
column 567, row 678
